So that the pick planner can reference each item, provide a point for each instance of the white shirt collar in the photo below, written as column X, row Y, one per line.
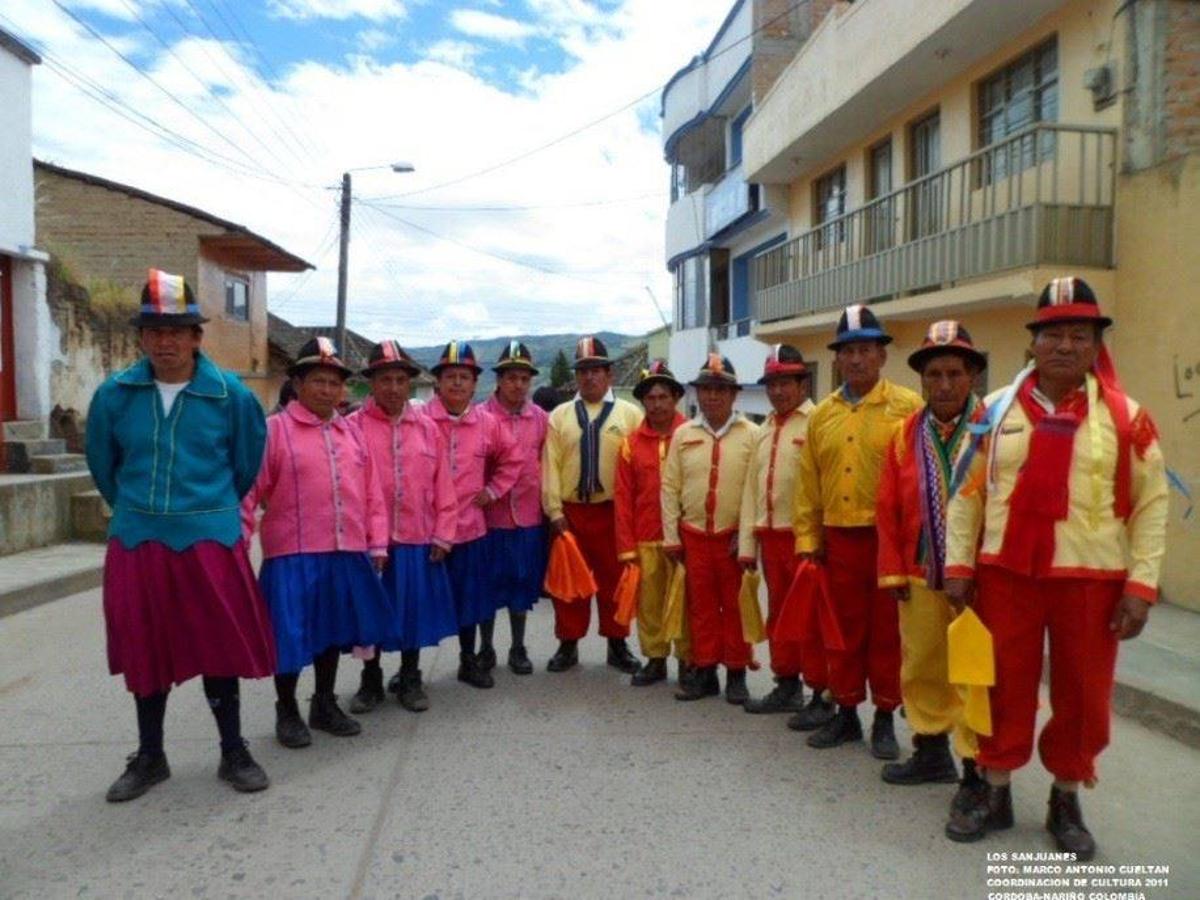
column 718, row 433
column 608, row 397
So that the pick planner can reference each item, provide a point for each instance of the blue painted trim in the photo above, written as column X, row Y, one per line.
column 703, row 115
column 687, row 254
column 701, row 58
column 740, row 295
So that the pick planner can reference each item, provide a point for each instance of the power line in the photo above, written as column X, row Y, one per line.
column 454, row 209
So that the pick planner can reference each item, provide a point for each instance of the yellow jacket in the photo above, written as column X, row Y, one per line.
column 704, row 478
column 1091, row 542
column 842, row 458
column 771, row 483
column 560, row 455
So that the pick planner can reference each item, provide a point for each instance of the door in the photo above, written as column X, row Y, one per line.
column 880, row 223
column 926, row 197
column 8, row 384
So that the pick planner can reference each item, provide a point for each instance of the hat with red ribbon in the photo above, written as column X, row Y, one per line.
column 717, row 371
column 784, row 361
column 657, row 373
column 1067, row 299
column 946, row 337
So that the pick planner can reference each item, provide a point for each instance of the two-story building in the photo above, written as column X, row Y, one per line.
column 946, row 160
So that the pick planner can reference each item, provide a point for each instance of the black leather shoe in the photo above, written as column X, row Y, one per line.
column 324, row 714
column 1064, row 820
column 142, row 772
column 843, row 728
column 652, row 671
column 486, row 658
column 240, row 770
column 518, row 661
column 684, row 672
column 393, row 685
column 565, row 657
column 470, row 673
column 701, row 683
column 619, row 656
column 814, row 715
column 370, row 691
column 290, row 729
column 412, row 694
column 982, row 809
column 883, row 736
column 736, row 691
column 787, row 697
column 931, row 762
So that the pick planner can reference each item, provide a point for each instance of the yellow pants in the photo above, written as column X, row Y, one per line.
column 652, row 604
column 931, row 703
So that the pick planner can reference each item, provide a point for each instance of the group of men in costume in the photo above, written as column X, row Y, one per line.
column 1042, row 507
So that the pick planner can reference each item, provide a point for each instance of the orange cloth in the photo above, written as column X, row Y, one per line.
column 626, row 596
column 568, row 577
column 638, row 493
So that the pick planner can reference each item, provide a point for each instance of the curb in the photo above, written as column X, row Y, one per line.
column 1168, row 718
column 28, row 596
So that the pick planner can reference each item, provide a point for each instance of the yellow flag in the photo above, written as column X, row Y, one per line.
column 977, row 711
column 673, row 618
column 753, row 631
column 972, row 659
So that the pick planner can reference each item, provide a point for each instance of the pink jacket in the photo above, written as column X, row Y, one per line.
column 413, row 472
column 318, row 485
column 522, row 508
column 482, row 457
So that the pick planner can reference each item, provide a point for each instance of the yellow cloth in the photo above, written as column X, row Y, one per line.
column 933, row 705
column 652, row 604
column 972, row 664
column 691, row 495
column 752, row 620
column 841, row 461
column 674, row 621
column 771, row 483
column 1091, row 541
column 560, row 455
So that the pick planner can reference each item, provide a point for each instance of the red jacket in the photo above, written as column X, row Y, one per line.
column 638, row 493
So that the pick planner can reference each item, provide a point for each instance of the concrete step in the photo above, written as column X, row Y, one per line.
column 25, row 430
column 35, row 510
column 19, row 453
column 34, row 577
column 57, row 463
column 89, row 516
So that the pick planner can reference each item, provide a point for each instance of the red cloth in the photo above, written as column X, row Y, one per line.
column 867, row 618
column 807, row 656
column 638, row 491
column 172, row 615
column 595, row 532
column 714, row 578
column 1019, row 611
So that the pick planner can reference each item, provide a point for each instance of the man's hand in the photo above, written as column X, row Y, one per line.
column 483, row 499
column 960, row 592
column 1129, row 618
column 559, row 525
column 437, row 554
column 900, row 594
column 674, row 554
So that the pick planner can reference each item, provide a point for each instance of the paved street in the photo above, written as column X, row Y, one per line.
column 548, row 786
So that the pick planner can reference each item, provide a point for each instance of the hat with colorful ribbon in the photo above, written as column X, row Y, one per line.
column 590, row 353
column 167, row 301
column 857, row 325
column 318, row 353
column 515, row 355
column 784, row 361
column 1067, row 299
column 717, row 371
column 457, row 353
column 945, row 337
column 657, row 373
column 390, row 355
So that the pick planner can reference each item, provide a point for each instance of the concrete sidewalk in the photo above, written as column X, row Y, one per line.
column 1158, row 674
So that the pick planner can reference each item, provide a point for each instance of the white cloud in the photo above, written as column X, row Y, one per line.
column 460, row 54
column 374, row 10
column 477, row 23
column 374, row 39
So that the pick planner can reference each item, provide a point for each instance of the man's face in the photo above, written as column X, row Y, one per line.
column 391, row 389
column 512, row 386
column 319, row 390
column 170, row 348
column 1065, row 351
column 456, row 387
column 659, row 403
column 946, row 380
column 715, row 402
column 861, row 362
column 593, row 383
column 786, row 393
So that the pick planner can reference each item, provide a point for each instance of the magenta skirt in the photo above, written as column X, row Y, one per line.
column 172, row 615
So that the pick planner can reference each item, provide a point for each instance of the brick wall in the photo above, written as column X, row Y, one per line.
column 779, row 30
column 1181, row 79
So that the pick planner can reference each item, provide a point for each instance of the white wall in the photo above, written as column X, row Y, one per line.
column 16, row 161
column 696, row 90
column 35, row 339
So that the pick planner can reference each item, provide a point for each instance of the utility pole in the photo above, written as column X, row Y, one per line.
column 343, row 262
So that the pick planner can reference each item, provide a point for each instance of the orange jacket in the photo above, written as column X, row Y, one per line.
column 639, row 488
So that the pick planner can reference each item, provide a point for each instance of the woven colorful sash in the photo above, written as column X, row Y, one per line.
column 935, row 486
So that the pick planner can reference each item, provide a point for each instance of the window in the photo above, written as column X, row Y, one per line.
column 1021, row 94
column 735, row 137
column 679, row 186
column 691, row 277
column 925, row 198
column 830, row 196
column 237, row 298
column 880, row 220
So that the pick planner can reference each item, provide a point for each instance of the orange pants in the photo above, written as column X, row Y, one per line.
column 714, row 578
column 868, row 619
column 789, row 658
column 1075, row 613
column 594, row 527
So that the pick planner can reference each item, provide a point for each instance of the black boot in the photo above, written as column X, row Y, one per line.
column 324, row 714
column 843, row 728
column 411, row 694
column 735, row 687
column 931, row 762
column 684, row 672
column 565, row 657
column 486, row 658
column 883, row 736
column 983, row 809
column 787, row 697
column 814, row 715
column 142, row 772
column 702, row 682
column 619, row 656
column 370, row 690
column 470, row 673
column 240, row 770
column 393, row 685
column 518, row 661
column 1064, row 820
column 969, row 785
column 290, row 729
column 651, row 672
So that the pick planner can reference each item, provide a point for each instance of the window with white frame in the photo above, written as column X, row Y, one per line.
column 691, row 294
column 1021, row 94
column 237, row 298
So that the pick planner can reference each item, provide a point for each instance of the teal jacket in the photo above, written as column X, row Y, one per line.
column 177, row 475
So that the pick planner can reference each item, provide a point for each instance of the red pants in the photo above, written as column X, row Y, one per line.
column 714, row 578
column 869, row 621
column 594, row 527
column 789, row 658
column 1020, row 612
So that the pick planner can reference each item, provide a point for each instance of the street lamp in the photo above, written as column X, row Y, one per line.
column 344, row 248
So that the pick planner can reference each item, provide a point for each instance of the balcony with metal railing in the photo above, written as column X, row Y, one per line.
column 1041, row 196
